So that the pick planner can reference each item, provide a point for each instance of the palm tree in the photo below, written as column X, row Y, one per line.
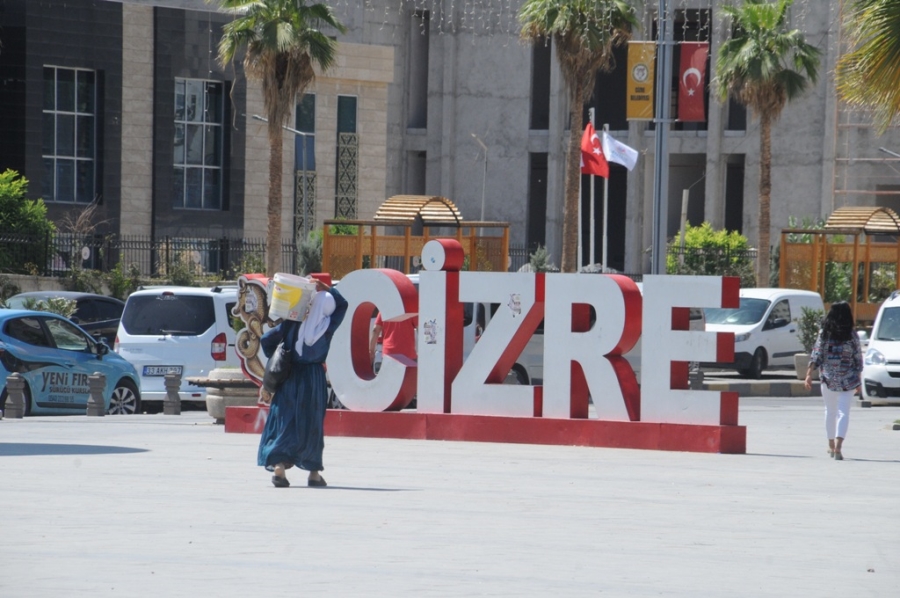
column 283, row 43
column 585, row 33
column 869, row 75
column 764, row 66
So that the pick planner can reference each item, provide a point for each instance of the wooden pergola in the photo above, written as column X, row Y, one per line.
column 849, row 236
column 420, row 218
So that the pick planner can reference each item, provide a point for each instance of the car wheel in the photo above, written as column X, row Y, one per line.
column 757, row 364
column 125, row 399
column 516, row 376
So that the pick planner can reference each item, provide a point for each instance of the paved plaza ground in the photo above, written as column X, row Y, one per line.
column 157, row 505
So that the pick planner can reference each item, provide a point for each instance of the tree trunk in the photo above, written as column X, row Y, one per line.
column 765, row 192
column 569, row 262
column 273, row 230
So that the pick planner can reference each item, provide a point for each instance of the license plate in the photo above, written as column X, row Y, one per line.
column 161, row 370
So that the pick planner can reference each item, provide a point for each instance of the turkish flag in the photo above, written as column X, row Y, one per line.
column 592, row 159
column 692, row 82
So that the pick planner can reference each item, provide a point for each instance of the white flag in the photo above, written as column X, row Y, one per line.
column 618, row 152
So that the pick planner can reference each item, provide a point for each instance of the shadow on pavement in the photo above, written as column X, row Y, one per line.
column 777, row 455
column 20, row 449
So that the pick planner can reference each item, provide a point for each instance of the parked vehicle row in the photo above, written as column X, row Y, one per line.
column 177, row 330
column 765, row 328
column 56, row 358
column 881, row 365
column 98, row 315
column 189, row 331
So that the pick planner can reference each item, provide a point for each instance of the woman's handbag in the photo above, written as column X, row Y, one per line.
column 278, row 368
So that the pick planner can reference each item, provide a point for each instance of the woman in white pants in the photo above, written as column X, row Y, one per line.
column 839, row 359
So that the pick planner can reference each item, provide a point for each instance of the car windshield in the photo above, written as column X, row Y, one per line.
column 751, row 311
column 889, row 326
column 168, row 314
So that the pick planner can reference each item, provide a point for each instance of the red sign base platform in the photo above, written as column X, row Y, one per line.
column 523, row 430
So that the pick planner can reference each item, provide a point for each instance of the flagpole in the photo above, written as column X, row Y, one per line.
column 661, row 162
column 605, row 206
column 578, row 259
column 593, row 201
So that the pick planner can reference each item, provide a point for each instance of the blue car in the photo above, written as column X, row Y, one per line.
column 56, row 357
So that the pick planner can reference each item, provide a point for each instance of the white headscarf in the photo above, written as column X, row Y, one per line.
column 316, row 322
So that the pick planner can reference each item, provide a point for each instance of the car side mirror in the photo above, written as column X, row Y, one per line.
column 776, row 323
column 101, row 349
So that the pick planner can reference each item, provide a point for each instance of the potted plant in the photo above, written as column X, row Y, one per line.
column 808, row 324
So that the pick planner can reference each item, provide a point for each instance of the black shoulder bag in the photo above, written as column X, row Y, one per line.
column 278, row 368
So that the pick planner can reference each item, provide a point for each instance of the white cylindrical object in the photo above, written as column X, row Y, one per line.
column 290, row 297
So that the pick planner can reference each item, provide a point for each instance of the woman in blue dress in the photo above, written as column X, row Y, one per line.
column 294, row 430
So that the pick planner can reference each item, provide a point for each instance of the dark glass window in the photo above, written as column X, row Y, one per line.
column 305, row 145
column 198, row 151
column 540, row 85
column 306, row 113
column 28, row 330
column 168, row 313
column 346, row 114
column 68, row 138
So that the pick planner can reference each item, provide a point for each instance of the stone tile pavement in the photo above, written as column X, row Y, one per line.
column 156, row 505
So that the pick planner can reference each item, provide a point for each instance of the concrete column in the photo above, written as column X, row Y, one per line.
column 97, row 383
column 172, row 402
column 137, row 119
column 15, row 397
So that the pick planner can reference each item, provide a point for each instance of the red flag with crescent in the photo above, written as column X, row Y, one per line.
column 692, row 82
column 592, row 159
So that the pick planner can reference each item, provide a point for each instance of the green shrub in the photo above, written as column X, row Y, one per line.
column 22, row 216
column 709, row 252
column 343, row 229
column 122, row 283
column 540, row 261
column 309, row 253
column 7, row 289
column 84, row 281
column 251, row 263
column 55, row 305
column 808, row 324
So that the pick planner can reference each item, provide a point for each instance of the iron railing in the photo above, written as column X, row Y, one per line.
column 59, row 253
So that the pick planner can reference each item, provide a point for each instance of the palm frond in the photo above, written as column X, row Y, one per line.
column 869, row 75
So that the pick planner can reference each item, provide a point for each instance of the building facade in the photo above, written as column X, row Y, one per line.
column 124, row 104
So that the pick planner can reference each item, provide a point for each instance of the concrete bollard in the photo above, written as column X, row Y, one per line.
column 97, row 384
column 172, row 402
column 15, row 397
column 696, row 379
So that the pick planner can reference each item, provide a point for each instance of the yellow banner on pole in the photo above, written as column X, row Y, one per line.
column 641, row 57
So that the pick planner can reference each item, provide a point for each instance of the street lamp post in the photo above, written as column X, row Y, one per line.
column 484, row 176
column 303, row 135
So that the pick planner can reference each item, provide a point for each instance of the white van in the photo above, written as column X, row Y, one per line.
column 881, row 366
column 180, row 330
column 766, row 333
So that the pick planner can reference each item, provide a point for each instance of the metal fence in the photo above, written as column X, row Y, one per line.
column 59, row 253
column 713, row 261
column 518, row 256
